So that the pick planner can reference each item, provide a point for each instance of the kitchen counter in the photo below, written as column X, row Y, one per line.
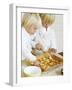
column 53, row 71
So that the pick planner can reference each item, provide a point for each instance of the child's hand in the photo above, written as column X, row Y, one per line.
column 39, row 46
column 36, row 63
column 52, row 50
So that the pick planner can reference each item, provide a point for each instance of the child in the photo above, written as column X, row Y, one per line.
column 46, row 35
column 30, row 24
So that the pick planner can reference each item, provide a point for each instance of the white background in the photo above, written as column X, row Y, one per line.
column 4, row 44
column 57, row 26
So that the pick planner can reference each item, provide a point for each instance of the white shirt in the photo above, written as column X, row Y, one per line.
column 27, row 46
column 46, row 38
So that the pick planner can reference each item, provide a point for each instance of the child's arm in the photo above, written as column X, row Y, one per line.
column 53, row 40
column 36, row 42
column 52, row 48
column 27, row 54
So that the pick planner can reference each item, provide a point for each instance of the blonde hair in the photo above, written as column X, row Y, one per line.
column 49, row 18
column 31, row 19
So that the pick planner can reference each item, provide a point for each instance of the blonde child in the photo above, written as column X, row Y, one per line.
column 46, row 35
column 30, row 24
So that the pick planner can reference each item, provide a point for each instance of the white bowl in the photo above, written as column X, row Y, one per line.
column 32, row 71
